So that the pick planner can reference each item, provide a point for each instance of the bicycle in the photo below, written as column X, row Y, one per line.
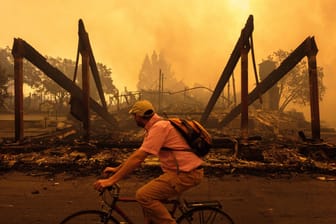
column 199, row 212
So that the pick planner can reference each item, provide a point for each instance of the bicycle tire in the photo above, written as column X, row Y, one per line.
column 89, row 217
column 205, row 215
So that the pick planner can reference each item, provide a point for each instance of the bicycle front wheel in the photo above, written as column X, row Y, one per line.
column 89, row 217
column 202, row 215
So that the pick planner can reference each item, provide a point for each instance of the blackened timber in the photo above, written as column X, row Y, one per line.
column 84, row 40
column 244, row 92
column 18, row 88
column 40, row 62
column 314, row 95
column 307, row 47
column 228, row 70
column 85, row 90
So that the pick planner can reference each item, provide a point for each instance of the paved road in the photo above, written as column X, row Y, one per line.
column 310, row 199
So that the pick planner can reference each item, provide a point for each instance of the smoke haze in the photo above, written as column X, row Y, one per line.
column 196, row 37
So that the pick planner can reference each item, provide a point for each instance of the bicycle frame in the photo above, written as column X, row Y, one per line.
column 177, row 204
column 181, row 210
column 120, row 212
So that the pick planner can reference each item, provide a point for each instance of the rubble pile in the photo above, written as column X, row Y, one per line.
column 282, row 150
column 74, row 155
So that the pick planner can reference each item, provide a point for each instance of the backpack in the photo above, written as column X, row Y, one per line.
column 198, row 138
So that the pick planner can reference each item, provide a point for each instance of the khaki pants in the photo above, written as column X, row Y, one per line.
column 166, row 186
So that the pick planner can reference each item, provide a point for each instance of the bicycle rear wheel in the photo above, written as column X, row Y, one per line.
column 89, row 217
column 202, row 215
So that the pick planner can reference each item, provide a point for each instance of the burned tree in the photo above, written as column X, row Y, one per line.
column 294, row 87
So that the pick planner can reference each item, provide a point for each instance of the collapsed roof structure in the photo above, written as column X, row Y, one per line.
column 81, row 101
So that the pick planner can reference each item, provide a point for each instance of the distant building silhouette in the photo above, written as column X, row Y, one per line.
column 272, row 97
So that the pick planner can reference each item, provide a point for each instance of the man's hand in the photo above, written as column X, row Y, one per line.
column 130, row 164
column 101, row 184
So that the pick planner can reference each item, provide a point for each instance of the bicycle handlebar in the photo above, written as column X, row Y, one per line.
column 115, row 189
column 110, row 194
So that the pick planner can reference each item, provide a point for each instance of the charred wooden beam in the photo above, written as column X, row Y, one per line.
column 313, row 86
column 85, row 87
column 244, row 91
column 228, row 70
column 18, row 89
column 306, row 48
column 23, row 49
column 85, row 42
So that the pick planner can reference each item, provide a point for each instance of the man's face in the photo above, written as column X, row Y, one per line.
column 139, row 121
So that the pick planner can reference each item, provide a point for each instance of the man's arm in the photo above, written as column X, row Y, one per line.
column 130, row 164
column 108, row 170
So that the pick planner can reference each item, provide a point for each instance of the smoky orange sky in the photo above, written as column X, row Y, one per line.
column 196, row 36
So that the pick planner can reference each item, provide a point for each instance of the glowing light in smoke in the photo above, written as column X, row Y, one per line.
column 241, row 6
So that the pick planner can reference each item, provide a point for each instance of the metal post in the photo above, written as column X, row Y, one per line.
column 160, row 89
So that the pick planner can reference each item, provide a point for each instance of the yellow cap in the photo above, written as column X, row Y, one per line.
column 142, row 108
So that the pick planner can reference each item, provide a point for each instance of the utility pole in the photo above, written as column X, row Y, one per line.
column 160, row 89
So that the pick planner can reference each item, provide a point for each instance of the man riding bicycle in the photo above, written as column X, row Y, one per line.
column 181, row 168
